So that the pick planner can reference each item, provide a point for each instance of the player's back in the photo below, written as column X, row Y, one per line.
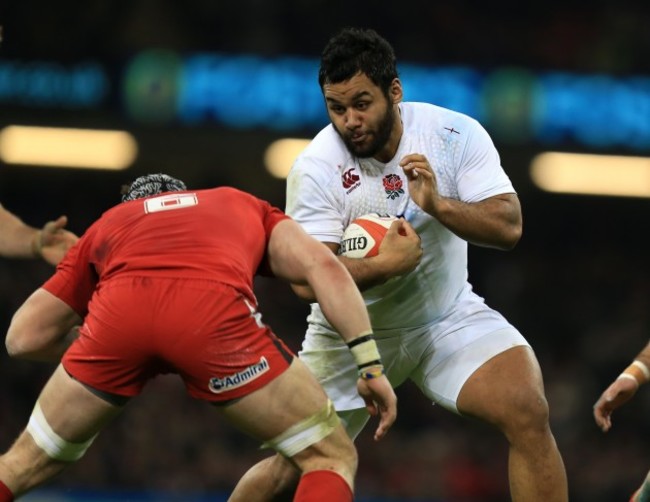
column 218, row 234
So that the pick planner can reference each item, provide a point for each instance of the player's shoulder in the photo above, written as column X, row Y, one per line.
column 221, row 191
column 323, row 157
column 423, row 116
column 225, row 198
column 225, row 192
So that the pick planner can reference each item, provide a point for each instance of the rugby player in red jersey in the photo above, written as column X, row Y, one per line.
column 163, row 283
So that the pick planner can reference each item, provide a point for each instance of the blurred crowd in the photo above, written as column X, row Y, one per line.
column 593, row 36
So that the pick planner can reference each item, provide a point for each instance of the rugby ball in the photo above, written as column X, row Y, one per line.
column 363, row 236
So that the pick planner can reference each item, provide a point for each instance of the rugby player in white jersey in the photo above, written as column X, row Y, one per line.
column 439, row 170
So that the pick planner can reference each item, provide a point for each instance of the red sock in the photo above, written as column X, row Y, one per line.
column 5, row 493
column 322, row 486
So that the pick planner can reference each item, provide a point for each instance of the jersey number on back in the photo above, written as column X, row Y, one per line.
column 169, row 202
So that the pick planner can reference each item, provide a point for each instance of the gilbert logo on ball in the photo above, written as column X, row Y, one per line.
column 362, row 237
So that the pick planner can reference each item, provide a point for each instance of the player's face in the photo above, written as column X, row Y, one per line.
column 363, row 116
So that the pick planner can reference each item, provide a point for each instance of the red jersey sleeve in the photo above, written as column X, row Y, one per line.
column 75, row 278
column 272, row 217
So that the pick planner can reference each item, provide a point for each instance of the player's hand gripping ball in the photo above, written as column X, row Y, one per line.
column 363, row 236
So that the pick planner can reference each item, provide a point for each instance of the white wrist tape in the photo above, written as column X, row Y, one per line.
column 636, row 371
column 627, row 376
column 644, row 369
column 364, row 350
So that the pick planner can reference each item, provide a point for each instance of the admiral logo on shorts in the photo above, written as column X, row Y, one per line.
column 218, row 385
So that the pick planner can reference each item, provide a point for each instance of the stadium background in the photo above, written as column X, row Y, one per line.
column 576, row 285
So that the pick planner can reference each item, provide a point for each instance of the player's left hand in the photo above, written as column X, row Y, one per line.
column 54, row 240
column 423, row 186
column 617, row 394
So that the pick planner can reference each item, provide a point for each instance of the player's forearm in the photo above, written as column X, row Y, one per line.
column 340, row 300
column 17, row 240
column 644, row 356
column 494, row 222
column 344, row 308
column 367, row 272
column 639, row 369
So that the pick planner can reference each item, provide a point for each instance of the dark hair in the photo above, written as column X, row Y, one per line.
column 358, row 50
column 151, row 184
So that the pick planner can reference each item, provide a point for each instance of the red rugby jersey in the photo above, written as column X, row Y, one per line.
column 218, row 234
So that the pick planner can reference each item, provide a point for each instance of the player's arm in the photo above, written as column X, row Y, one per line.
column 622, row 389
column 19, row 240
column 42, row 328
column 399, row 253
column 300, row 259
column 493, row 222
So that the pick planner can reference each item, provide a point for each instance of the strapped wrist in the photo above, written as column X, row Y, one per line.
column 373, row 371
column 637, row 371
column 364, row 350
column 37, row 244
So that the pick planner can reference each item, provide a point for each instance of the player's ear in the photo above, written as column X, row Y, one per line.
column 395, row 91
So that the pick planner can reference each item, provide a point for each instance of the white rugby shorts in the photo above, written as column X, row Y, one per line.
column 438, row 358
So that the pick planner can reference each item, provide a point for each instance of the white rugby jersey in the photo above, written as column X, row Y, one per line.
column 328, row 187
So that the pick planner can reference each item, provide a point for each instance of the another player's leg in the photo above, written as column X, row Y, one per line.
column 275, row 479
column 65, row 420
column 299, row 421
column 507, row 391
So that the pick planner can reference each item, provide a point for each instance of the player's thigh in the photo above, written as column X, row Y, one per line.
column 447, row 364
column 288, row 399
column 506, row 389
column 71, row 410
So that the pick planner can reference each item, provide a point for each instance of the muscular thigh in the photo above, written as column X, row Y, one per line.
column 71, row 410
column 269, row 411
column 448, row 362
column 506, row 389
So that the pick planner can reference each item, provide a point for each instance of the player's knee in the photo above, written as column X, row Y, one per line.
column 307, row 432
column 340, row 450
column 527, row 414
column 336, row 453
column 317, row 442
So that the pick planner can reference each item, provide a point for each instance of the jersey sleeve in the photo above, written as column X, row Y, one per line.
column 75, row 278
column 480, row 174
column 312, row 201
column 271, row 217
